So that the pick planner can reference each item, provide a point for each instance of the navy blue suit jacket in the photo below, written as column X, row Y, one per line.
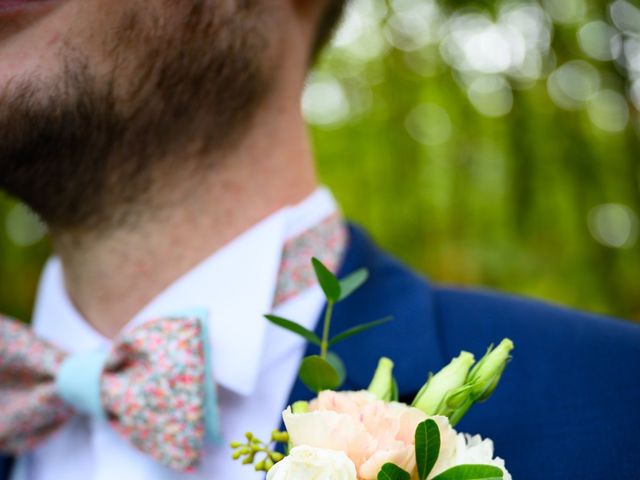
column 568, row 405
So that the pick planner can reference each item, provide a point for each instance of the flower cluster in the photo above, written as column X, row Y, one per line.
column 369, row 435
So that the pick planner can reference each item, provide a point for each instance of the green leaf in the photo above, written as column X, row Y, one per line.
column 338, row 365
column 295, row 328
column 327, row 280
column 471, row 472
column 359, row 329
column 352, row 282
column 389, row 471
column 318, row 374
column 427, row 447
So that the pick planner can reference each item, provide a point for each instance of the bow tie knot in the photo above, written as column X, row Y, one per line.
column 154, row 386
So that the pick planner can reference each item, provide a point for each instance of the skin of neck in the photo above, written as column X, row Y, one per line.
column 111, row 275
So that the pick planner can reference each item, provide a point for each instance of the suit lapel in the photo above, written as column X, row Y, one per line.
column 411, row 340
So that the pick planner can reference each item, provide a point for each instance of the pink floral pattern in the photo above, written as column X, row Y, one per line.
column 29, row 408
column 326, row 241
column 152, row 389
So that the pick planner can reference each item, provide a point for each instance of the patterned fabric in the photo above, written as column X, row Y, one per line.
column 27, row 389
column 326, row 241
column 152, row 389
column 152, row 386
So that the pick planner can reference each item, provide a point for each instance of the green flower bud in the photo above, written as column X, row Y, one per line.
column 383, row 385
column 280, row 437
column 451, row 377
column 486, row 374
column 300, row 407
column 457, row 398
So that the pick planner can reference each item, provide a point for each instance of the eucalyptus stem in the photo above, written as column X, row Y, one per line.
column 324, row 347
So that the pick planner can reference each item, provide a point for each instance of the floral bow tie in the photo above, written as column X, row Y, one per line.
column 154, row 387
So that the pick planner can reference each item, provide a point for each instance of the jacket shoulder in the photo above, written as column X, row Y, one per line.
column 572, row 383
column 479, row 316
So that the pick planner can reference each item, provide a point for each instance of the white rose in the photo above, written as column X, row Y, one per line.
column 310, row 463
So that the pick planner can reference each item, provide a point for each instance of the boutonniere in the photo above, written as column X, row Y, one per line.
column 370, row 435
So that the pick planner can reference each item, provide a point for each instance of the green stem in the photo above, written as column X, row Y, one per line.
column 459, row 413
column 325, row 333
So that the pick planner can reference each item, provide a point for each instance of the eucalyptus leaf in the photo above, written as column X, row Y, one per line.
column 427, row 441
column 358, row 329
column 389, row 471
column 318, row 374
column 471, row 472
column 327, row 280
column 295, row 328
column 338, row 365
column 352, row 282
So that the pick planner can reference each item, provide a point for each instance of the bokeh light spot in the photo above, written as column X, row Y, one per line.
column 23, row 226
column 614, row 225
column 625, row 16
column 491, row 95
column 609, row 111
column 429, row 124
column 413, row 28
column 359, row 35
column 596, row 40
column 566, row 11
column 324, row 101
column 573, row 83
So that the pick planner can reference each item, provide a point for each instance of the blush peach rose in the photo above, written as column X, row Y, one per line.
column 371, row 432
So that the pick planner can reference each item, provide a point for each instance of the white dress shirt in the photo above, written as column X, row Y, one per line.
column 254, row 363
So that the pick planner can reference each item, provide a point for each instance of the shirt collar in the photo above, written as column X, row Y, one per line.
column 235, row 285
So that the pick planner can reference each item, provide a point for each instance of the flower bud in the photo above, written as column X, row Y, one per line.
column 456, row 398
column 383, row 385
column 276, row 456
column 451, row 377
column 278, row 436
column 300, row 407
column 485, row 375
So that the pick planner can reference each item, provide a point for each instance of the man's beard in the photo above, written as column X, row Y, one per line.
column 95, row 148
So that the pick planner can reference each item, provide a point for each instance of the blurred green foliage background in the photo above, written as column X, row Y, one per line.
column 485, row 143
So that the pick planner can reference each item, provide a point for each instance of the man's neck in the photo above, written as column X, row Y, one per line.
column 111, row 275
